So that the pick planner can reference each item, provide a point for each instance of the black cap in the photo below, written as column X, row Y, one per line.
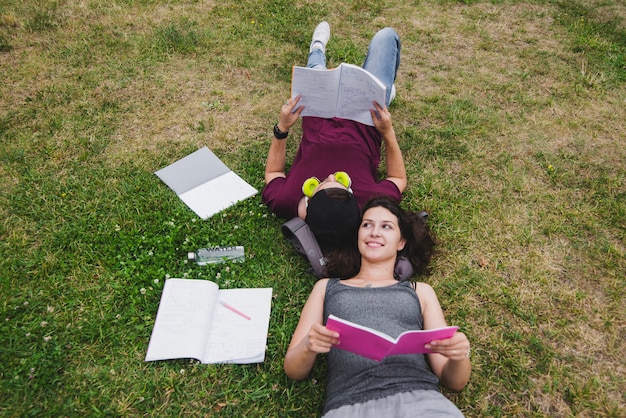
column 333, row 216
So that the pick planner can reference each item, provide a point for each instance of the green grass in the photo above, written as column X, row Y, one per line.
column 510, row 115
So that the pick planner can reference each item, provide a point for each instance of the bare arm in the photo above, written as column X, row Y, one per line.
column 310, row 336
column 449, row 362
column 276, row 157
column 396, row 171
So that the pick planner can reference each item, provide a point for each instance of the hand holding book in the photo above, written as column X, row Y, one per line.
column 346, row 92
column 376, row 345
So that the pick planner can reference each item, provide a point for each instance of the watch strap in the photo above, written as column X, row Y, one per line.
column 278, row 134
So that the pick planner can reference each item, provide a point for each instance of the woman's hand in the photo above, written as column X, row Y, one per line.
column 456, row 347
column 320, row 339
column 289, row 114
column 382, row 120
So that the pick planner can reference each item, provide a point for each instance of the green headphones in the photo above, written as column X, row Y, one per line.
column 310, row 184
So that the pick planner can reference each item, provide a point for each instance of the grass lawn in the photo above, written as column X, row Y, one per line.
column 512, row 119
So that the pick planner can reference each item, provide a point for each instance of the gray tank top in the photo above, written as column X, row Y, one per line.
column 392, row 310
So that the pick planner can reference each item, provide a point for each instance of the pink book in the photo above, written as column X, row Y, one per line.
column 376, row 345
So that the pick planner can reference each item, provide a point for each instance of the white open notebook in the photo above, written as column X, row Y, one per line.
column 204, row 183
column 197, row 320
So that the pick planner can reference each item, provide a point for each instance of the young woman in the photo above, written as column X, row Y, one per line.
column 402, row 385
column 326, row 144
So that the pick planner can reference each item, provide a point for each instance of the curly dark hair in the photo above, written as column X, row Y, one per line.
column 419, row 248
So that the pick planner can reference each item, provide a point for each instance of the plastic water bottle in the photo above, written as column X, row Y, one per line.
column 214, row 255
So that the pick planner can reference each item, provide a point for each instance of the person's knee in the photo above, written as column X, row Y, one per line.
column 387, row 32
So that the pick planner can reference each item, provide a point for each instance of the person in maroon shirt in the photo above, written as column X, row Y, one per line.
column 332, row 148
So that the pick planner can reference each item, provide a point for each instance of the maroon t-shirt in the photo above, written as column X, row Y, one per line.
column 330, row 145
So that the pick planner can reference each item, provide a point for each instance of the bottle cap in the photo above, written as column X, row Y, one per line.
column 191, row 256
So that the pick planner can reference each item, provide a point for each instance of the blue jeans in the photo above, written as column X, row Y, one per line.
column 382, row 60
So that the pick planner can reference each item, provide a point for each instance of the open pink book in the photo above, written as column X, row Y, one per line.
column 376, row 345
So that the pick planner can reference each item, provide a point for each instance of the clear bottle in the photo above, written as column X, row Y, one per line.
column 214, row 255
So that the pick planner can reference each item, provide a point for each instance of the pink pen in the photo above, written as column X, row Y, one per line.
column 235, row 310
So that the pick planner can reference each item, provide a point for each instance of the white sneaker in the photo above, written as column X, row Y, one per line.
column 392, row 95
column 321, row 35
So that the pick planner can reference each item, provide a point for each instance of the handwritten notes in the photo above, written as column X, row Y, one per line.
column 192, row 323
column 346, row 92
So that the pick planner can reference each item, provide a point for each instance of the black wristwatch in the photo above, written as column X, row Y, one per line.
column 278, row 134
